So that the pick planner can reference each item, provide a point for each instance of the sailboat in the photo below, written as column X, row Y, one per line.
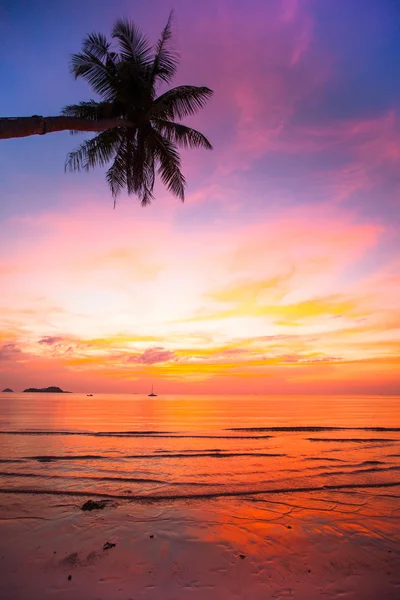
column 152, row 392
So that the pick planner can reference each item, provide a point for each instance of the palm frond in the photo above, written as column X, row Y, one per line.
column 134, row 45
column 181, row 135
column 91, row 110
column 182, row 101
column 132, row 166
column 133, row 89
column 147, row 196
column 141, row 171
column 88, row 110
column 169, row 168
column 97, row 151
column 139, row 168
column 116, row 174
column 166, row 61
column 96, row 44
column 99, row 76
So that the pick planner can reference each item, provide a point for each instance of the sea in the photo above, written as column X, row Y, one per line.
column 202, row 497
column 172, row 447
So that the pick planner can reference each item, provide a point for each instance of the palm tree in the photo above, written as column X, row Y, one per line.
column 17, row 127
column 138, row 130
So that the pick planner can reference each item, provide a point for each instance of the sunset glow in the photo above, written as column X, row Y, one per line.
column 281, row 271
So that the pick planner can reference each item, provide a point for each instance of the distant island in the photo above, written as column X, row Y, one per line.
column 53, row 389
column 7, row 390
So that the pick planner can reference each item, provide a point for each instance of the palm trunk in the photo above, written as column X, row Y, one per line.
column 15, row 127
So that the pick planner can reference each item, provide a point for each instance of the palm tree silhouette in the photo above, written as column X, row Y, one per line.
column 138, row 129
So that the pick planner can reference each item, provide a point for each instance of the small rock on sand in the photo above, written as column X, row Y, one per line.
column 108, row 545
column 94, row 505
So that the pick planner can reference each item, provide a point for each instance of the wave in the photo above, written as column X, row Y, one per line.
column 87, row 433
column 356, row 440
column 6, row 474
column 202, row 495
column 323, row 458
column 182, row 436
column 206, row 454
column 91, row 477
column 359, row 471
column 50, row 458
column 136, row 434
column 312, row 428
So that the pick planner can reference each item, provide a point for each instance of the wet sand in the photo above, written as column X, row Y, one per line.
column 304, row 546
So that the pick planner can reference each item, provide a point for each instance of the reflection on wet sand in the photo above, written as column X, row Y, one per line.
column 323, row 545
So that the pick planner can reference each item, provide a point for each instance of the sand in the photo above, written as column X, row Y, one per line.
column 305, row 546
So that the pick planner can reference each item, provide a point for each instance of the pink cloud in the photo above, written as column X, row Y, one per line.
column 9, row 351
column 50, row 340
column 265, row 71
column 152, row 356
column 260, row 68
column 373, row 140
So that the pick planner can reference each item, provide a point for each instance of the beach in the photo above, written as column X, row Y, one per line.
column 239, row 497
column 200, row 300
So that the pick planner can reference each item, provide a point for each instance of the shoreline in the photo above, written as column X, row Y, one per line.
column 201, row 496
column 302, row 546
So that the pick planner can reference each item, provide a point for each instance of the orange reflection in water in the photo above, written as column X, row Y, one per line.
column 124, row 411
column 196, row 446
column 215, row 481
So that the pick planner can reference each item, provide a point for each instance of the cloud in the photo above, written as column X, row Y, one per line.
column 9, row 351
column 51, row 340
column 152, row 356
column 263, row 93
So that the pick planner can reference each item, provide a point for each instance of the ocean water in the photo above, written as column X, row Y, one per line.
column 206, row 497
column 171, row 447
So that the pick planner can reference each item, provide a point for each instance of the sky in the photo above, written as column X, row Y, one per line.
column 281, row 271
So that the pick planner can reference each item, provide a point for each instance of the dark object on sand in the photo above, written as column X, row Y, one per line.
column 108, row 545
column 151, row 535
column 289, row 527
column 242, row 556
column 53, row 389
column 69, row 577
column 8, row 390
column 94, row 505
column 89, row 394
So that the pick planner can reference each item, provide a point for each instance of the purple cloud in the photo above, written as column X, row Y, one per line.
column 51, row 340
column 152, row 356
column 9, row 351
